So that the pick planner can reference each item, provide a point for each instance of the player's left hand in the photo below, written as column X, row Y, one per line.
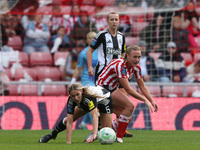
column 155, row 105
column 91, row 138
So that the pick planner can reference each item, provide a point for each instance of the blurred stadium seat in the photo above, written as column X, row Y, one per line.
column 45, row 72
column 13, row 90
column 132, row 40
column 44, row 10
column 65, row 9
column 196, row 57
column 150, row 14
column 137, row 13
column 89, row 8
column 137, row 27
column 40, row 58
column 21, row 73
column 172, row 91
column 8, row 73
column 155, row 55
column 191, row 89
column 197, row 39
column 28, row 90
column 108, row 9
column 58, row 55
column 155, row 90
column 104, row 2
column 54, row 90
column 15, row 42
column 187, row 58
column 23, row 59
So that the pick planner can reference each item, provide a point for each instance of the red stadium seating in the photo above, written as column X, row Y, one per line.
column 90, row 9
column 155, row 55
column 22, row 57
column 104, row 2
column 65, row 9
column 54, row 90
column 58, row 55
column 28, row 90
column 197, row 39
column 15, row 42
column 191, row 89
column 155, row 90
column 150, row 14
column 187, row 58
column 196, row 57
column 8, row 73
column 173, row 91
column 108, row 9
column 137, row 27
column 137, row 13
column 44, row 10
column 40, row 58
column 52, row 73
column 20, row 73
column 13, row 90
column 132, row 40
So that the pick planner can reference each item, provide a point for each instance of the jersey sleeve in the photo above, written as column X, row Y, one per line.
column 92, row 104
column 81, row 62
column 97, row 41
column 137, row 72
column 70, row 106
column 123, row 45
column 120, row 70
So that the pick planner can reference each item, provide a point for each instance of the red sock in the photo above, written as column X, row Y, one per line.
column 123, row 123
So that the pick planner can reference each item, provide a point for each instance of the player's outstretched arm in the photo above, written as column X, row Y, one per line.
column 146, row 93
column 125, row 84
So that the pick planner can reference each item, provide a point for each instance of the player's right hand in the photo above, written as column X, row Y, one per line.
column 90, row 71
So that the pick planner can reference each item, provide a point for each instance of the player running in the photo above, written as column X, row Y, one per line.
column 81, row 101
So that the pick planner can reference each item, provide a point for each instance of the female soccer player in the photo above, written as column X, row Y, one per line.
column 81, row 101
column 119, row 72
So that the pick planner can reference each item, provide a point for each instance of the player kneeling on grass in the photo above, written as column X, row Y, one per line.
column 81, row 101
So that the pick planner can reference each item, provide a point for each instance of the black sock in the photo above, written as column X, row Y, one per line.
column 59, row 128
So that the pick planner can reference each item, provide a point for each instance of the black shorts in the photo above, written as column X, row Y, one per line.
column 107, row 88
column 106, row 106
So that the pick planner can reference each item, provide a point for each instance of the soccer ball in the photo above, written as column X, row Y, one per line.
column 106, row 136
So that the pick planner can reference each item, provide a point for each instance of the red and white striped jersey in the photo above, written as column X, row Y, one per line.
column 116, row 70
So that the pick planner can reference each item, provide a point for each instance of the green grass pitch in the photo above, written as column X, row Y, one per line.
column 142, row 140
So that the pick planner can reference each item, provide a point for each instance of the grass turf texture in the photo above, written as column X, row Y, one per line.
column 142, row 140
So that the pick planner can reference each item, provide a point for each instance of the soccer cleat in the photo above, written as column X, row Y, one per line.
column 119, row 140
column 85, row 141
column 127, row 134
column 46, row 138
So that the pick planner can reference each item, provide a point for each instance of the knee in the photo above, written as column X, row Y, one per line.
column 130, row 106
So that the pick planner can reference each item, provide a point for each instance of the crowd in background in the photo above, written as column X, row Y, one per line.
column 168, row 33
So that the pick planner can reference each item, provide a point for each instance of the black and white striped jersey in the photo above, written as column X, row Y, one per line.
column 108, row 48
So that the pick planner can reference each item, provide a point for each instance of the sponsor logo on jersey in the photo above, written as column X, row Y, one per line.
column 123, row 71
column 94, row 42
column 113, row 51
column 91, row 105
column 124, row 47
column 109, row 41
